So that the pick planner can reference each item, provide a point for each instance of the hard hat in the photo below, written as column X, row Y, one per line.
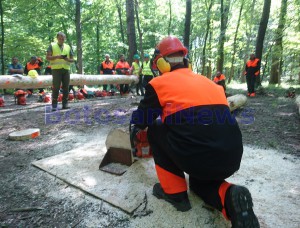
column 20, row 92
column 136, row 56
column 170, row 45
column 47, row 98
column 33, row 74
column 1, row 102
column 146, row 56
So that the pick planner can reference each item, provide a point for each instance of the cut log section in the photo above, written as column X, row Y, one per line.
column 118, row 156
column 236, row 101
column 24, row 134
column 298, row 103
column 42, row 81
column 118, row 138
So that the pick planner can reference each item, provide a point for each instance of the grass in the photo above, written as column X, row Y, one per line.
column 238, row 87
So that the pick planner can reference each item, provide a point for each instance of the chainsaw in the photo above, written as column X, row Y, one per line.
column 139, row 145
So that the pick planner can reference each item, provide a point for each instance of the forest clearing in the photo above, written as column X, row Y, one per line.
column 52, row 177
column 33, row 197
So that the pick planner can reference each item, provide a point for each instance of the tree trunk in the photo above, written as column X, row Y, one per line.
column 187, row 24
column 277, row 50
column 248, row 34
column 121, row 23
column 69, row 43
column 130, row 29
column 139, row 28
column 209, row 68
column 261, row 33
column 231, row 75
column 208, row 21
column 98, row 41
column 2, row 38
column 224, row 20
column 79, row 37
column 170, row 17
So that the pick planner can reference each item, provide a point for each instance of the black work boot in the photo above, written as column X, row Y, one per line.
column 54, row 107
column 238, row 204
column 179, row 200
column 65, row 105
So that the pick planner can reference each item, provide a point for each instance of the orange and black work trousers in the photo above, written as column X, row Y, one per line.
column 146, row 80
column 139, row 86
column 171, row 176
column 251, row 83
column 60, row 77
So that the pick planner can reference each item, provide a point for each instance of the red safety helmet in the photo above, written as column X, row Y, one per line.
column 60, row 96
column 20, row 92
column 47, row 98
column 169, row 45
column 21, row 100
column 71, row 97
column 79, row 96
column 1, row 102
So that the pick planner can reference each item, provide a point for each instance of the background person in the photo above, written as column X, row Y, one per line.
column 220, row 79
column 14, row 68
column 146, row 70
column 107, row 67
column 137, row 71
column 123, row 67
column 252, row 70
column 60, row 57
column 187, row 141
column 35, row 63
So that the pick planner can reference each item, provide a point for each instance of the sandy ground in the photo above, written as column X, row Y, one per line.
column 30, row 197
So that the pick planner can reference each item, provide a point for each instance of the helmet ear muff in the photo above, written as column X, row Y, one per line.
column 163, row 66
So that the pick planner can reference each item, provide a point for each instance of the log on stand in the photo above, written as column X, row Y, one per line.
column 42, row 81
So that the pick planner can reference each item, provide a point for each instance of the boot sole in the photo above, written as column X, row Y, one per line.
column 243, row 214
column 180, row 206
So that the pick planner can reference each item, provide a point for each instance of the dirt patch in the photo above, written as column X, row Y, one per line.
column 30, row 197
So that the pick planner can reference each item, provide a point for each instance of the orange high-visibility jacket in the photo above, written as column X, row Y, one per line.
column 253, row 67
column 217, row 79
column 203, row 136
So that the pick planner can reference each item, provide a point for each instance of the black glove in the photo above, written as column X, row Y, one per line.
column 134, row 130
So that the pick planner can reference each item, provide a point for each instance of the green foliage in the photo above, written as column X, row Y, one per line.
column 30, row 26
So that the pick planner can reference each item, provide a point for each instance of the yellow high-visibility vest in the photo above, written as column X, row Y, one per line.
column 60, row 63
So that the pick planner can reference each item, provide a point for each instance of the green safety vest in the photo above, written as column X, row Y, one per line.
column 146, row 68
column 136, row 68
column 60, row 63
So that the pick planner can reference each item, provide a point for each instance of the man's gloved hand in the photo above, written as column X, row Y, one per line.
column 134, row 130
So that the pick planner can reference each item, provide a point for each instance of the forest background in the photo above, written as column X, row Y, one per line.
column 220, row 34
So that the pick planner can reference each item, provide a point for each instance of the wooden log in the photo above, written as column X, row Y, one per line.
column 24, row 134
column 42, row 81
column 236, row 101
column 118, row 138
column 298, row 103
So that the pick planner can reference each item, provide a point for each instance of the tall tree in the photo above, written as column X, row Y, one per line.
column 187, row 24
column 225, row 5
column 170, row 17
column 208, row 5
column 261, row 33
column 118, row 5
column 139, row 27
column 235, row 43
column 2, row 38
column 131, row 29
column 277, row 49
column 79, row 36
